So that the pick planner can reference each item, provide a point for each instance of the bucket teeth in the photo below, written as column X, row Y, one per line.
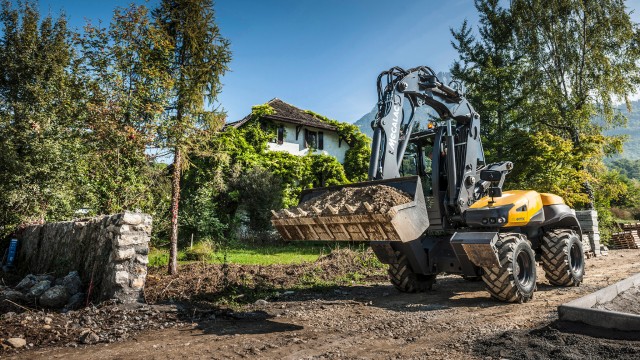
column 302, row 212
column 350, row 208
column 289, row 213
column 333, row 210
column 368, row 206
column 316, row 210
column 275, row 214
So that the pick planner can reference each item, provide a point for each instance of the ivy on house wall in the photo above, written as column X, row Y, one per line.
column 238, row 181
column 356, row 159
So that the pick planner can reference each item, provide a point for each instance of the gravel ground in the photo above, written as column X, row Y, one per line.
column 627, row 302
column 458, row 320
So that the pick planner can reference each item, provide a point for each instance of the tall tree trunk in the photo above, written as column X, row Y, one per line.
column 175, row 200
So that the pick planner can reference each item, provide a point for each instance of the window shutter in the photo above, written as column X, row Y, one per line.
column 320, row 140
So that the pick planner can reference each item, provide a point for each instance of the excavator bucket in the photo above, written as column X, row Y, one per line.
column 381, row 210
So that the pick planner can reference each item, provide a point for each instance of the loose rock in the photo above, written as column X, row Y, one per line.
column 12, row 295
column 72, row 283
column 26, row 283
column 16, row 343
column 55, row 297
column 39, row 288
column 75, row 302
column 89, row 337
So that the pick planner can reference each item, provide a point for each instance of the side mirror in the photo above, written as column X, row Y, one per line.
column 491, row 175
column 495, row 192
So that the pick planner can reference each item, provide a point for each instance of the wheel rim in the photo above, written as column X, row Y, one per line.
column 523, row 269
column 575, row 258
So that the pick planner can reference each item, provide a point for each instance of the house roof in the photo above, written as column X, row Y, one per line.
column 289, row 114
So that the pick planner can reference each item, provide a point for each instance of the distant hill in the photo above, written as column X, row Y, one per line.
column 632, row 146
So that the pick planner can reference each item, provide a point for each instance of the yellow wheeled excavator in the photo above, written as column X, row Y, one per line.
column 458, row 219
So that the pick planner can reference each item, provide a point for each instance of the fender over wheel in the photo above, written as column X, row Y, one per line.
column 562, row 257
column 405, row 280
column 515, row 279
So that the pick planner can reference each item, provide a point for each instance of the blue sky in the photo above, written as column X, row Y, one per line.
column 321, row 55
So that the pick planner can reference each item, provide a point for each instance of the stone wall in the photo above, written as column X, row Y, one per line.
column 109, row 252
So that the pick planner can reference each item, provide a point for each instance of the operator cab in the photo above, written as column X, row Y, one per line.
column 418, row 160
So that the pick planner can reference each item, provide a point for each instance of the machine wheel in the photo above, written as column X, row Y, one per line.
column 562, row 257
column 515, row 279
column 405, row 280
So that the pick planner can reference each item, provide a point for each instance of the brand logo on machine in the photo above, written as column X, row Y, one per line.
column 393, row 136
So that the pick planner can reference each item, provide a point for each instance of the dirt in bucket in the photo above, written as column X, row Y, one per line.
column 351, row 200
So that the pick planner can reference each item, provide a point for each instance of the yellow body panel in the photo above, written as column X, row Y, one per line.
column 526, row 204
column 551, row 199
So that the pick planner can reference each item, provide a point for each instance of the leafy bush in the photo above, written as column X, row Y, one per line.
column 201, row 251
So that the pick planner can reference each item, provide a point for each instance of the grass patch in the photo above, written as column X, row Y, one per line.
column 242, row 254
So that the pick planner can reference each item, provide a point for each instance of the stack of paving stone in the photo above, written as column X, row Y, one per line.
column 628, row 238
column 588, row 220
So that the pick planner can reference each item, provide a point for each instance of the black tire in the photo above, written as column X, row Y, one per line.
column 515, row 279
column 405, row 280
column 563, row 257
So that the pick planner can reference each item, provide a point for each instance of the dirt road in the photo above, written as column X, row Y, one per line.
column 458, row 320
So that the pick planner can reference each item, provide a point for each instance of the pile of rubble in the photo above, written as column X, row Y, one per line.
column 46, row 291
column 106, row 323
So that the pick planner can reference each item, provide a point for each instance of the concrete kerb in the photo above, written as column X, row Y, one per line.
column 581, row 309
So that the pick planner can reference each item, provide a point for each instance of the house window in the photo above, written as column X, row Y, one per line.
column 320, row 140
column 311, row 139
column 280, row 134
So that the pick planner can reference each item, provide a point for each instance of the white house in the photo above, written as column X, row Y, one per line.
column 298, row 132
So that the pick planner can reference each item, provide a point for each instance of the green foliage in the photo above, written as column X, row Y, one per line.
column 356, row 158
column 201, row 251
column 41, row 143
column 626, row 167
column 126, row 92
column 195, row 55
column 325, row 170
column 238, row 181
column 544, row 76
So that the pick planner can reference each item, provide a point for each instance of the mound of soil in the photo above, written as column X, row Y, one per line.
column 557, row 341
column 626, row 302
column 353, row 200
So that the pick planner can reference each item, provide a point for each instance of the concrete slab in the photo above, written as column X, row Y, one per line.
column 581, row 309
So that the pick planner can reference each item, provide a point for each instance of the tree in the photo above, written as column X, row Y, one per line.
column 583, row 56
column 126, row 92
column 39, row 118
column 542, row 72
column 491, row 67
column 197, row 59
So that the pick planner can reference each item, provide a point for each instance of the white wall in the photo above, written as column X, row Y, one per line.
column 297, row 147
